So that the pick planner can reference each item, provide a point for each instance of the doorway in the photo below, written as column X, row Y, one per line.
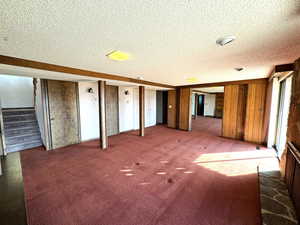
column 161, row 107
column 207, row 110
column 200, row 99
column 282, row 114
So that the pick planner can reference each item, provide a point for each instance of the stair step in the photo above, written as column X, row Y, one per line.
column 23, row 146
column 22, row 139
column 6, row 112
column 19, row 124
column 21, row 131
column 15, row 118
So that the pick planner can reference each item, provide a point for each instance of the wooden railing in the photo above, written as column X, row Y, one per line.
column 292, row 175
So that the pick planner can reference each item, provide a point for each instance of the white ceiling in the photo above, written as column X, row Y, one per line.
column 169, row 40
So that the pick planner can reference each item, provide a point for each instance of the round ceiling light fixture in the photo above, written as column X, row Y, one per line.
column 225, row 40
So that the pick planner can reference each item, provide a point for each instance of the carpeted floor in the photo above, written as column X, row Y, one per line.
column 208, row 125
column 167, row 177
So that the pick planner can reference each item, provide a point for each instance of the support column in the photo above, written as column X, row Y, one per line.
column 142, row 110
column 102, row 114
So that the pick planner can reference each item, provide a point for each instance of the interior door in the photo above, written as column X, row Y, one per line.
column 112, row 110
column 234, row 111
column 255, row 111
column 172, row 109
column 63, row 113
column 282, row 115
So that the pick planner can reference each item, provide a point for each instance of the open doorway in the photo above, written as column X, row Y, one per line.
column 207, row 110
column 19, row 128
column 161, row 107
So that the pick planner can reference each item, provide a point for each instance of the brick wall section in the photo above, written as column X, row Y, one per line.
column 294, row 117
column 293, row 133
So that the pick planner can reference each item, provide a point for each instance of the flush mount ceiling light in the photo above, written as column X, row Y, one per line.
column 192, row 79
column 225, row 40
column 239, row 69
column 118, row 56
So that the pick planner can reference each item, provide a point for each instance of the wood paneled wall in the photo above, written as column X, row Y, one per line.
column 185, row 104
column 292, row 175
column 172, row 109
column 244, row 111
column 256, row 102
column 235, row 97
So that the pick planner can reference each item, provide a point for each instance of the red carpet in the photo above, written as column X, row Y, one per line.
column 208, row 125
column 167, row 177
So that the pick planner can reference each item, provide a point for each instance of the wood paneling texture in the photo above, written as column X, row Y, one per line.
column 219, row 105
column 185, row 104
column 172, row 107
column 112, row 110
column 62, row 97
column 294, row 115
column 235, row 97
column 256, row 101
column 292, row 175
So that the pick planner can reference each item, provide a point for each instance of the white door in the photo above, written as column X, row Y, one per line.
column 283, row 112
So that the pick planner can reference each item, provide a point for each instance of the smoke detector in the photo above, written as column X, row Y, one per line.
column 239, row 69
column 225, row 40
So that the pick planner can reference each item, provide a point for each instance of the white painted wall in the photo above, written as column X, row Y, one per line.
column 150, row 108
column 16, row 92
column 129, row 108
column 136, row 115
column 193, row 103
column 39, row 111
column 89, row 111
column 209, row 104
column 273, row 113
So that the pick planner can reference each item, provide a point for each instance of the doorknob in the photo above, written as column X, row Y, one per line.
column 52, row 119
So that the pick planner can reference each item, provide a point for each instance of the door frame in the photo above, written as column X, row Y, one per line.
column 282, row 114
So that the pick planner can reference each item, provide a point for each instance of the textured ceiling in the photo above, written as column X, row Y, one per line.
column 168, row 40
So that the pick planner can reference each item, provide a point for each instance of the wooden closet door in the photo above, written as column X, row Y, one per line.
column 172, row 108
column 112, row 110
column 235, row 97
column 63, row 113
column 185, row 109
column 256, row 100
